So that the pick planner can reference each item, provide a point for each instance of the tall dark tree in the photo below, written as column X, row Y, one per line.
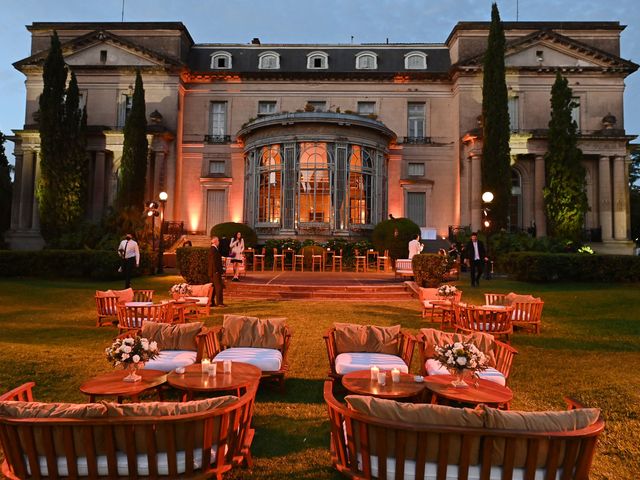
column 52, row 136
column 6, row 189
column 565, row 196
column 634, row 189
column 496, row 160
column 133, row 167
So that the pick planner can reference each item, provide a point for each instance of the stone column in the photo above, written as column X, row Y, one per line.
column 27, row 190
column 476, row 193
column 604, row 192
column 16, row 198
column 99, row 183
column 619, row 199
column 539, row 181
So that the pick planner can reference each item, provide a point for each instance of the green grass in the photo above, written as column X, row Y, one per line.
column 589, row 348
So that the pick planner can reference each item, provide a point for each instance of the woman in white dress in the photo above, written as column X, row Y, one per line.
column 236, row 252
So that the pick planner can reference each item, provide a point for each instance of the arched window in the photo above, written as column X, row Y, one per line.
column 360, row 185
column 269, row 61
column 366, row 61
column 317, row 61
column 415, row 61
column 221, row 60
column 515, row 207
column 270, row 184
column 314, row 190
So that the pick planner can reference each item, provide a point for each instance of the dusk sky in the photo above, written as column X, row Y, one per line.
column 301, row 21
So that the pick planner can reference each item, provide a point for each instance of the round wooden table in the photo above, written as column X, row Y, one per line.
column 486, row 392
column 360, row 383
column 112, row 384
column 194, row 380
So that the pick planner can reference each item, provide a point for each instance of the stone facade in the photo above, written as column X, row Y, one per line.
column 414, row 149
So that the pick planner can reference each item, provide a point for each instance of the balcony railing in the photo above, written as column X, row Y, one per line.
column 417, row 140
column 213, row 139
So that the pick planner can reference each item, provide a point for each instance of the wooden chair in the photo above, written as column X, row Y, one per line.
column 143, row 295
column 383, row 262
column 131, row 318
column 527, row 309
column 317, row 259
column 298, row 260
column 337, row 259
column 361, row 261
column 258, row 258
column 278, row 257
column 107, row 308
column 203, row 294
column 495, row 321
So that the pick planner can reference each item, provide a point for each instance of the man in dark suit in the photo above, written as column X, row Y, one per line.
column 476, row 256
column 215, row 273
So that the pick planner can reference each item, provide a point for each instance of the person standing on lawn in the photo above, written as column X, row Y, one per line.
column 236, row 253
column 476, row 256
column 215, row 273
column 130, row 255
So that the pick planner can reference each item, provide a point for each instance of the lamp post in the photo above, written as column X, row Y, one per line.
column 163, row 196
column 151, row 211
column 487, row 198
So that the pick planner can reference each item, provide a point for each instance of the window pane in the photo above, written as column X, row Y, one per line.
column 318, row 106
column 314, row 189
column 270, row 186
column 415, row 128
column 416, row 61
column 366, row 108
column 266, row 108
column 513, row 114
column 575, row 111
column 416, row 170
column 218, row 118
column 216, row 166
column 416, row 207
column 360, row 186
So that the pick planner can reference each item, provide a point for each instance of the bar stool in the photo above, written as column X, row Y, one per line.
column 361, row 261
column 298, row 259
column 278, row 257
column 259, row 259
column 316, row 258
column 383, row 261
column 337, row 258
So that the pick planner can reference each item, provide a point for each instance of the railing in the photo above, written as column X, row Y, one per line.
column 213, row 139
column 417, row 140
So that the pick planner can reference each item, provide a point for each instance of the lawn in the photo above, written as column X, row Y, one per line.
column 589, row 348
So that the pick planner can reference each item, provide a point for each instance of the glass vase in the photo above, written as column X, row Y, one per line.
column 458, row 378
column 133, row 372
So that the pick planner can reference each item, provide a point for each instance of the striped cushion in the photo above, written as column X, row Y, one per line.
column 351, row 362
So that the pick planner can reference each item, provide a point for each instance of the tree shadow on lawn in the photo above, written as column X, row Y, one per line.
column 297, row 390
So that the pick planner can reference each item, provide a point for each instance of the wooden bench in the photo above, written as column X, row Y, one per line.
column 404, row 268
column 365, row 446
column 203, row 444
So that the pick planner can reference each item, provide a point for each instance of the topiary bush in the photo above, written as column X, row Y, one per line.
column 429, row 269
column 394, row 235
column 229, row 229
column 193, row 264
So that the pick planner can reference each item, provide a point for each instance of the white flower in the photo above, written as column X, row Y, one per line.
column 124, row 356
column 126, row 349
column 135, row 358
column 129, row 341
column 153, row 346
column 461, row 361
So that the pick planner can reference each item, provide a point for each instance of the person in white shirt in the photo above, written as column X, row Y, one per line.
column 415, row 247
column 130, row 255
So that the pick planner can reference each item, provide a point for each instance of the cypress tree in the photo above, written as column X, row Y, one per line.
column 6, row 189
column 565, row 196
column 52, row 136
column 496, row 161
column 133, row 167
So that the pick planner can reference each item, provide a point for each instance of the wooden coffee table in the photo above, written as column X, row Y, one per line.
column 194, row 380
column 486, row 392
column 112, row 385
column 360, row 383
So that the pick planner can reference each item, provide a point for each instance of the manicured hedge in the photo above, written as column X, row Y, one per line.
column 429, row 269
column 193, row 263
column 550, row 267
column 230, row 229
column 394, row 235
column 96, row 264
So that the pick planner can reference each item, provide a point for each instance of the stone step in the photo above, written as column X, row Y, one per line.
column 328, row 292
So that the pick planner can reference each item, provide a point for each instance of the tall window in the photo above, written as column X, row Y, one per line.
column 415, row 117
column 218, row 120
column 266, row 108
column 314, row 191
column 417, row 207
column 269, row 61
column 575, row 111
column 124, row 107
column 415, row 61
column 366, row 61
column 270, row 184
column 360, row 185
column 514, row 121
column 221, row 60
column 366, row 108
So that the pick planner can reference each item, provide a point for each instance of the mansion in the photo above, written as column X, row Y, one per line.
column 319, row 140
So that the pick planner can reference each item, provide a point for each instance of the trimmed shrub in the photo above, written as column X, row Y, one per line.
column 95, row 264
column 394, row 235
column 229, row 229
column 429, row 269
column 308, row 251
column 193, row 264
column 551, row 267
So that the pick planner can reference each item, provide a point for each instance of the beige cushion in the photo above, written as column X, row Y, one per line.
column 123, row 295
column 201, row 290
column 172, row 337
column 433, row 338
column 513, row 298
column 561, row 421
column 419, row 415
column 56, row 410
column 105, row 294
column 367, row 338
column 243, row 331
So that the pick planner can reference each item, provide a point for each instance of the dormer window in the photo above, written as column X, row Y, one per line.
column 366, row 61
column 317, row 61
column 269, row 61
column 221, row 60
column 415, row 61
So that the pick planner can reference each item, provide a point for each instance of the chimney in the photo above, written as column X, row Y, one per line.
column 255, row 41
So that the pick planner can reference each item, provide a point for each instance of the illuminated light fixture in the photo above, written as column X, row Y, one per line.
column 487, row 223
column 163, row 196
column 487, row 197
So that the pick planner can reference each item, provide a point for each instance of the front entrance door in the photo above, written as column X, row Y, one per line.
column 216, row 208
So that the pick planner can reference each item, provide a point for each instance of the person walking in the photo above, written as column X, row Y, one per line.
column 476, row 256
column 237, row 251
column 415, row 247
column 215, row 273
column 130, row 255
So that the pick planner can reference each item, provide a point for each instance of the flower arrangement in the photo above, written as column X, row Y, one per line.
column 131, row 350
column 460, row 358
column 447, row 291
column 586, row 249
column 180, row 289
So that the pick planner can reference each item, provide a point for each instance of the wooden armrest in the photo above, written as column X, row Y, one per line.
column 23, row 393
column 572, row 403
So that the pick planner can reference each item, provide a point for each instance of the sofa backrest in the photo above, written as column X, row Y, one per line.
column 350, row 338
column 172, row 336
column 436, row 338
column 244, row 331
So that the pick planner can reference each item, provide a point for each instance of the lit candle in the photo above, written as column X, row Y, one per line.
column 382, row 378
column 227, row 366
column 205, row 364
column 213, row 369
column 395, row 375
column 374, row 373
